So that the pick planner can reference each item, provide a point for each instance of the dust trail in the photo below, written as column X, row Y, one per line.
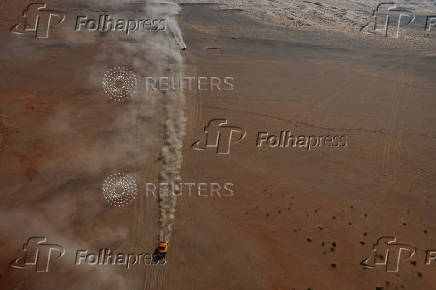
column 171, row 157
column 174, row 120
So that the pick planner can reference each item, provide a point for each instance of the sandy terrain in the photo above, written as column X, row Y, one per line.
column 298, row 219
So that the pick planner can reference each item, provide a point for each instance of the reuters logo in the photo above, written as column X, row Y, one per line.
column 119, row 189
column 119, row 84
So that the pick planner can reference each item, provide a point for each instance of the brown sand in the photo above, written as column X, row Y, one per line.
column 294, row 213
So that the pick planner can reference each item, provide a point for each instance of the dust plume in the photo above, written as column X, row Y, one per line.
column 90, row 137
column 174, row 119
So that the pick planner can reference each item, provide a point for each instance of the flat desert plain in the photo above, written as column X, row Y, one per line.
column 299, row 217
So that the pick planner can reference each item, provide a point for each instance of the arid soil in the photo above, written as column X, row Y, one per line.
column 298, row 219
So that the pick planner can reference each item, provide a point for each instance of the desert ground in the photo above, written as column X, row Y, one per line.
column 298, row 219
